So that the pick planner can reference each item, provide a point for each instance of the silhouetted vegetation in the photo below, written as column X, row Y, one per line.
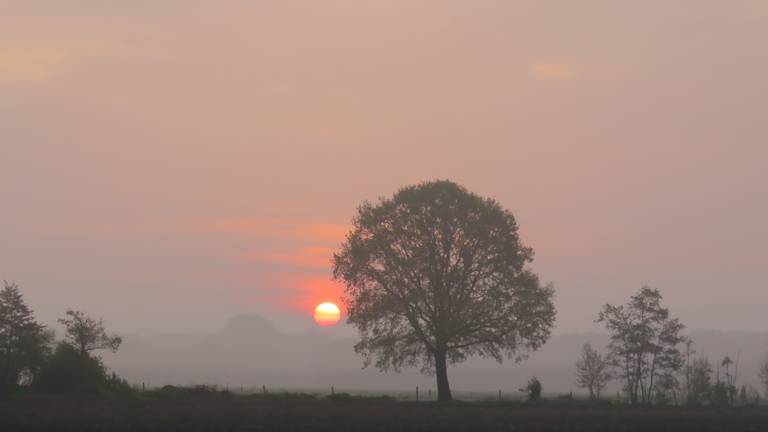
column 88, row 334
column 24, row 343
column 73, row 369
column 533, row 389
column 69, row 371
column 437, row 274
column 700, row 387
column 644, row 345
column 763, row 373
column 27, row 360
column 592, row 371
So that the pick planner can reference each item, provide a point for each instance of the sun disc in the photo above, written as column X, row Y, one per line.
column 327, row 314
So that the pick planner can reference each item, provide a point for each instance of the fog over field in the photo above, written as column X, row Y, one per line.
column 249, row 351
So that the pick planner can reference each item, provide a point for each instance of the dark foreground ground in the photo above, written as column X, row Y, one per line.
column 49, row 414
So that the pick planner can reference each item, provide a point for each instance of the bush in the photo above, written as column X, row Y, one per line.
column 68, row 371
column 118, row 385
column 533, row 388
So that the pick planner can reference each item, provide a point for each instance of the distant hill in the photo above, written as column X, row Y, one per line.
column 249, row 351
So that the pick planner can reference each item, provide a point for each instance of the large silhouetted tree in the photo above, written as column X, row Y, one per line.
column 88, row 334
column 644, row 342
column 23, row 341
column 436, row 274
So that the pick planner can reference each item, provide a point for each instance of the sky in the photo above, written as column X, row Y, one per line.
column 170, row 164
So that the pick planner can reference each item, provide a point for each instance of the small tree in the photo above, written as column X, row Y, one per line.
column 720, row 393
column 23, row 341
column 533, row 389
column 687, row 370
column 592, row 371
column 667, row 388
column 88, row 334
column 644, row 342
column 763, row 374
column 753, row 397
column 743, row 398
column 700, row 389
column 730, row 379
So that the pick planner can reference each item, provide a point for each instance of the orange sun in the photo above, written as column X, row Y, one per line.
column 327, row 314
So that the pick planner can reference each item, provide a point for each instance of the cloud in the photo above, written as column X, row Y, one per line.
column 300, row 249
column 304, row 248
column 297, row 292
column 312, row 257
column 306, row 230
column 41, row 62
column 555, row 71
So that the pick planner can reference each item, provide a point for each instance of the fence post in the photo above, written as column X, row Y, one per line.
column 417, row 393
column 264, row 388
column 332, row 390
column 499, row 395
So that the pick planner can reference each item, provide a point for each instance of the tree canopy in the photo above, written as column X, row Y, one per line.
column 644, row 343
column 592, row 371
column 436, row 274
column 88, row 334
column 23, row 341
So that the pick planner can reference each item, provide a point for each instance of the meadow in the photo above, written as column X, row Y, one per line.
column 203, row 410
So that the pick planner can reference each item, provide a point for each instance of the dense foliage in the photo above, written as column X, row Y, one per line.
column 437, row 274
column 68, row 371
column 26, row 358
column 23, row 341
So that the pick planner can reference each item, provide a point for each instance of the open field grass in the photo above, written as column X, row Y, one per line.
column 352, row 414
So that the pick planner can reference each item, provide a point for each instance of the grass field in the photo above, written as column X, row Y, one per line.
column 38, row 413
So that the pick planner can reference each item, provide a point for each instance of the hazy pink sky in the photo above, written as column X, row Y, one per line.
column 168, row 164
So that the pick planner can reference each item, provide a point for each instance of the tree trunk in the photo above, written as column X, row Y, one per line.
column 441, row 373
